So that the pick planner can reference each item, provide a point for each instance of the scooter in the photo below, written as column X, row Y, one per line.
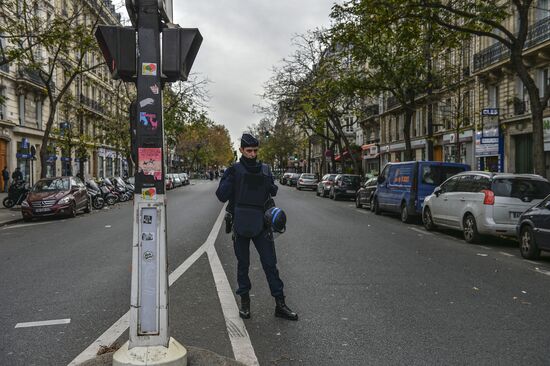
column 108, row 193
column 17, row 192
column 95, row 194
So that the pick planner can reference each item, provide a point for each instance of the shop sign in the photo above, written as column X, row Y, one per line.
column 486, row 146
column 489, row 112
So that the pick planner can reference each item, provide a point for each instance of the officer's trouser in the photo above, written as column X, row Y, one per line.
column 266, row 249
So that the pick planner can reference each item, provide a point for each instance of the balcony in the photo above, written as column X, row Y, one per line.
column 392, row 102
column 371, row 110
column 92, row 105
column 538, row 33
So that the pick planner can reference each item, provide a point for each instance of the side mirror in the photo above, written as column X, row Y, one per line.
column 438, row 191
column 380, row 179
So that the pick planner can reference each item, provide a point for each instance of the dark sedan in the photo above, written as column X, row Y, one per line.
column 534, row 230
column 345, row 186
column 293, row 179
column 365, row 194
column 59, row 196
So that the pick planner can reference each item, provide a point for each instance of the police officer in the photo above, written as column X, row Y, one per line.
column 249, row 186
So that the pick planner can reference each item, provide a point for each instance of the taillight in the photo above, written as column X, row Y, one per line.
column 489, row 197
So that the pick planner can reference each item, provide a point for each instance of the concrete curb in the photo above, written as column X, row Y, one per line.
column 9, row 222
column 195, row 357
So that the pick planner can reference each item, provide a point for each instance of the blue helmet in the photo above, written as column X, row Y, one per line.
column 275, row 218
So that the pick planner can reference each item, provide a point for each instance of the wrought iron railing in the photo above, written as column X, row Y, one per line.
column 539, row 32
column 92, row 104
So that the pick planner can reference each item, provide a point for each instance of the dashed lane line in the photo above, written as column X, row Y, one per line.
column 42, row 323
column 507, row 254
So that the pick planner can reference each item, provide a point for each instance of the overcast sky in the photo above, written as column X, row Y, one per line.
column 243, row 39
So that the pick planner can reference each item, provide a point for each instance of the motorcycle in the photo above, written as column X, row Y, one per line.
column 109, row 195
column 17, row 192
column 96, row 196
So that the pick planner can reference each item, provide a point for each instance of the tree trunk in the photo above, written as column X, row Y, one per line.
column 409, row 111
column 46, row 139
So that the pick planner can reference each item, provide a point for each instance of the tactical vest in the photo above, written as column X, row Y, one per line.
column 251, row 195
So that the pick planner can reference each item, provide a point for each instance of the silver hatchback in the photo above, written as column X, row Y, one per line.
column 483, row 203
column 308, row 181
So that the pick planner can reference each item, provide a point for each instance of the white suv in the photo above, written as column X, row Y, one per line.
column 483, row 203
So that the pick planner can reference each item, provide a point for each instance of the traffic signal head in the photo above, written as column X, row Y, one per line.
column 179, row 49
column 118, row 45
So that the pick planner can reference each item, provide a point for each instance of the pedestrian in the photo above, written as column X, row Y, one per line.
column 5, row 178
column 248, row 185
column 17, row 175
column 217, row 174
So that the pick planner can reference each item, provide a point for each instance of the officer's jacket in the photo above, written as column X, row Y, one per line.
column 248, row 190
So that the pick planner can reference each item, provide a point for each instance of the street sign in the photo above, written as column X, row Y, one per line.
column 489, row 112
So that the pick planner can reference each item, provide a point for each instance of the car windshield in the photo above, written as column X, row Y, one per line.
column 351, row 179
column 308, row 176
column 55, row 184
column 331, row 177
column 436, row 174
column 522, row 188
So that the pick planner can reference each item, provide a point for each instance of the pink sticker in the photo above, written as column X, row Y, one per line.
column 150, row 162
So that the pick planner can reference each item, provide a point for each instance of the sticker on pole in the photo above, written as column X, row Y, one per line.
column 148, row 69
column 148, row 120
column 149, row 194
column 145, row 102
column 154, row 89
column 150, row 161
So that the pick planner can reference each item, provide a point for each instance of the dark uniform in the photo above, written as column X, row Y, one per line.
column 248, row 186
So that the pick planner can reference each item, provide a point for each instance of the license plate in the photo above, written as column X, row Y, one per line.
column 41, row 209
column 350, row 191
column 515, row 215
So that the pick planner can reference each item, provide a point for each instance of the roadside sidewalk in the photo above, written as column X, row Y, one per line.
column 8, row 216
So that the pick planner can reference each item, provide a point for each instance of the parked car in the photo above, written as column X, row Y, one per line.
column 402, row 187
column 307, row 180
column 292, row 180
column 483, row 203
column 176, row 180
column 58, row 196
column 323, row 187
column 365, row 194
column 169, row 183
column 345, row 186
column 284, row 178
column 533, row 230
column 184, row 178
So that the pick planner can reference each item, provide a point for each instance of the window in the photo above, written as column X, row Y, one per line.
column 465, row 184
column 348, row 124
column 449, row 185
column 466, row 109
column 437, row 174
column 492, row 93
column 21, row 109
column 3, row 105
column 542, row 9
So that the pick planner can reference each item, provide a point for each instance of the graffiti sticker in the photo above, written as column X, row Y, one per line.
column 149, row 194
column 148, row 69
column 150, row 161
column 154, row 89
column 148, row 255
column 148, row 120
column 146, row 102
column 147, row 219
column 147, row 236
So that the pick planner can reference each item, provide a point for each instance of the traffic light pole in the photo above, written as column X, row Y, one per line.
column 149, row 340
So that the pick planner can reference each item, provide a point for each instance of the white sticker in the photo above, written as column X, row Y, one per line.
column 146, row 102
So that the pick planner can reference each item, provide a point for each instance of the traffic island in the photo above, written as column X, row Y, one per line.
column 195, row 357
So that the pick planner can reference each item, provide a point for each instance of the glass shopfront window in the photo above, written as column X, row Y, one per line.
column 109, row 167
column 117, row 167
column 101, row 167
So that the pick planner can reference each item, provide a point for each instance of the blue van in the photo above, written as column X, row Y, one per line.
column 402, row 187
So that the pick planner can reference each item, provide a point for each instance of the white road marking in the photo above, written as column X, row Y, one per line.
column 545, row 272
column 362, row 211
column 43, row 323
column 242, row 352
column 482, row 254
column 420, row 231
column 238, row 335
column 507, row 254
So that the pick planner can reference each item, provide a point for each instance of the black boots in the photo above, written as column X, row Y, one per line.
column 283, row 311
column 244, row 311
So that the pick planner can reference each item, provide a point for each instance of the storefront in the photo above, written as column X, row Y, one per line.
column 489, row 150
column 458, row 153
column 371, row 159
column 24, row 157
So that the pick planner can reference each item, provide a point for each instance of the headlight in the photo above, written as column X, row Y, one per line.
column 25, row 204
column 64, row 200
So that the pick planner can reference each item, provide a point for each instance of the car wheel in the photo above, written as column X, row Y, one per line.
column 358, row 202
column 88, row 207
column 72, row 211
column 427, row 219
column 376, row 207
column 527, row 245
column 405, row 218
column 471, row 235
column 8, row 202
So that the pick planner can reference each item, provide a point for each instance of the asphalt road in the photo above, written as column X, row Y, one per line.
column 368, row 289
